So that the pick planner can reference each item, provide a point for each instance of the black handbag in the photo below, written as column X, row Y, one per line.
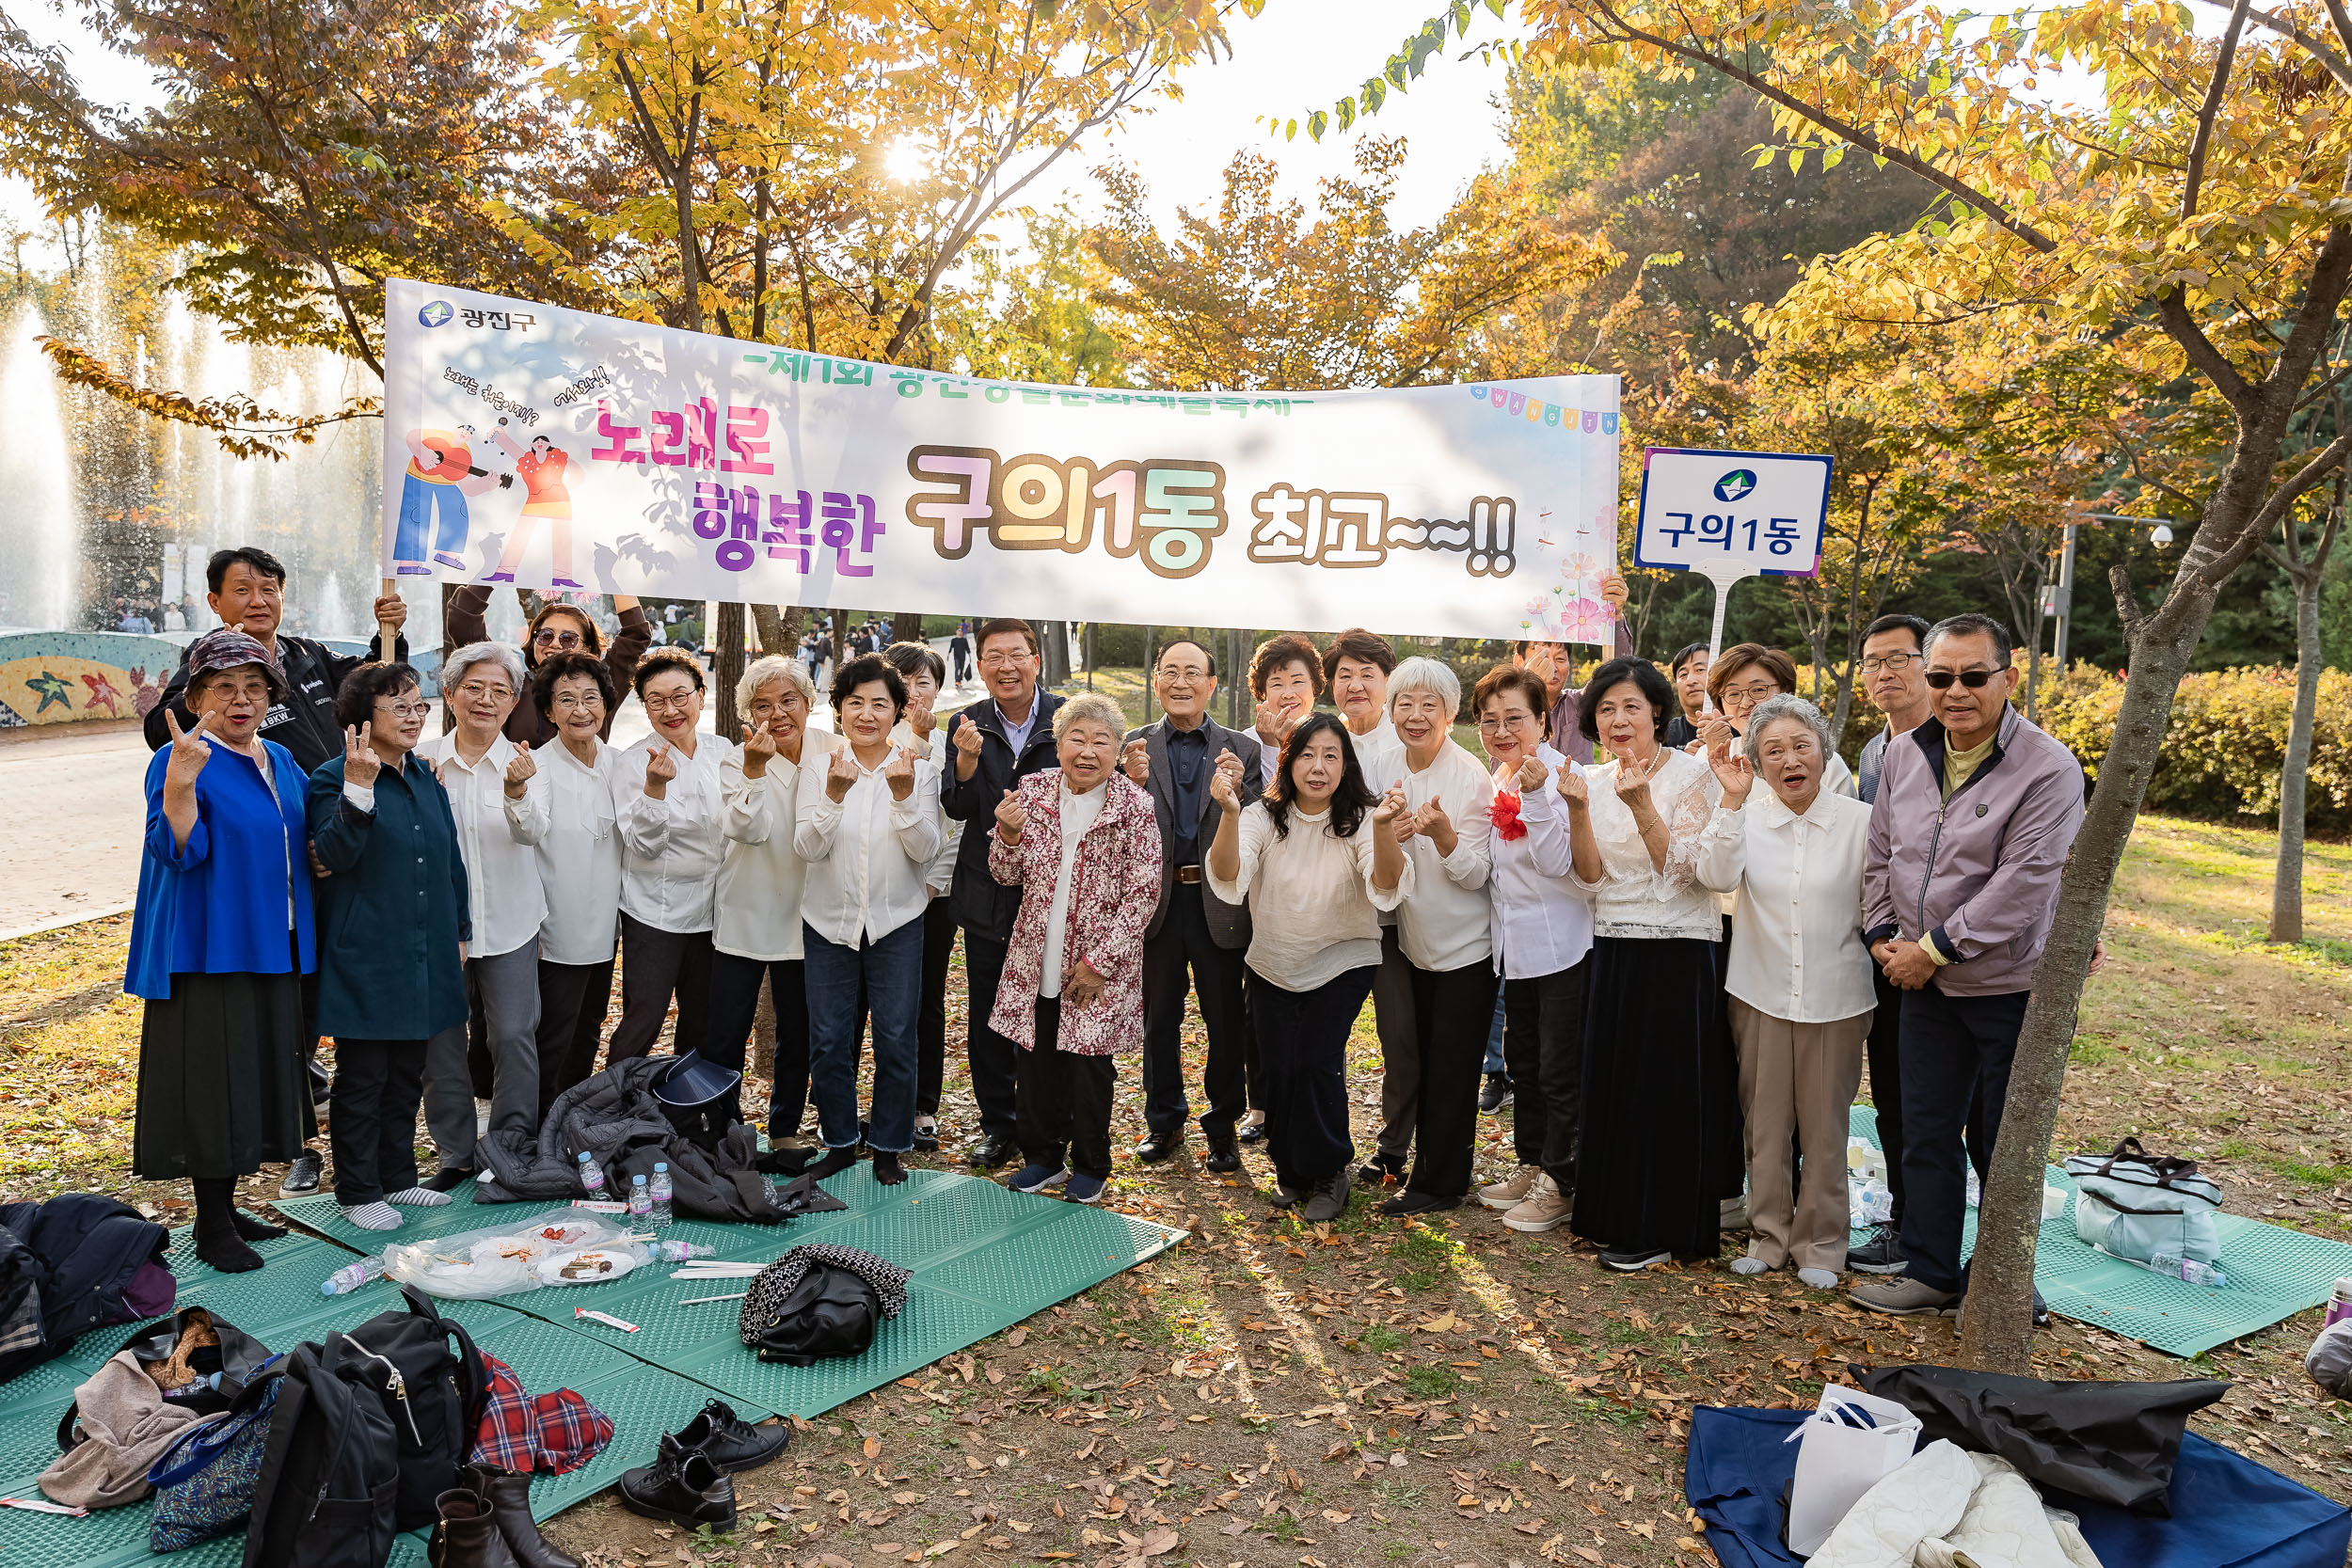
column 200, row 1360
column 819, row 1301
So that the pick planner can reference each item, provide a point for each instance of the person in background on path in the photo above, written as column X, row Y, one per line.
column 580, row 868
column 919, row 665
column 1082, row 843
column 1315, row 859
column 246, row 587
column 867, row 824
column 668, row 806
column 1661, row 1144
column 1741, row 676
column 500, row 820
column 557, row 628
column 1799, row 977
column 1193, row 942
column 1894, row 679
column 1977, row 811
column 995, row 745
column 1542, row 929
column 393, row 928
column 756, row 931
column 960, row 651
column 220, row 937
column 1689, row 666
column 1442, row 930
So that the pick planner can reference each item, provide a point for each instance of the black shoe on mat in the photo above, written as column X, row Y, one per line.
column 681, row 1485
column 733, row 1444
column 1882, row 1254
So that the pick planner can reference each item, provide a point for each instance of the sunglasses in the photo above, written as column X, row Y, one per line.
column 566, row 640
column 1942, row 679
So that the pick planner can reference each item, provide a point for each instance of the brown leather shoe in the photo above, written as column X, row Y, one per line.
column 466, row 1536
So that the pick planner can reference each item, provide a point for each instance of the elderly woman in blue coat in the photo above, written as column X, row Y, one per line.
column 220, row 939
column 393, row 924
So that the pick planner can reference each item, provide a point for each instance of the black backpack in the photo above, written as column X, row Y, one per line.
column 370, row 1428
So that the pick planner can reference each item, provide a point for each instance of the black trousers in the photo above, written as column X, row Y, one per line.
column 995, row 1061
column 1543, row 1048
column 930, row 1019
column 1884, row 1050
column 1454, row 1011
column 1302, row 1045
column 1181, row 959
column 655, row 965
column 1065, row 1100
column 572, row 1002
column 1955, row 1056
column 378, row 1085
column 734, row 1004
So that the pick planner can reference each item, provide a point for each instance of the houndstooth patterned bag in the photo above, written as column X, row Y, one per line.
column 764, row 1303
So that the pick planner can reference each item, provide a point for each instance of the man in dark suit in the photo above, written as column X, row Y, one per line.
column 994, row 744
column 1195, row 940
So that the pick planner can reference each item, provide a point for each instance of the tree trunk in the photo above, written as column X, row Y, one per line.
column 726, row 669
column 1053, row 652
column 840, row 637
column 764, row 1030
column 906, row 626
column 2286, row 888
column 769, row 624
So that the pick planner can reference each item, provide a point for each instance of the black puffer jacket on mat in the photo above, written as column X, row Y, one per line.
column 615, row 1119
column 79, row 1252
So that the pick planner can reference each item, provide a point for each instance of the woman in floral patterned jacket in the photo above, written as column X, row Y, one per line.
column 1082, row 844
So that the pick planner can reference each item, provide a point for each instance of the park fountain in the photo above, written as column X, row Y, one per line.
column 40, row 537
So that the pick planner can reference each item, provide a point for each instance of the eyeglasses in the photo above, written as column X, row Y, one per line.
column 568, row 700
column 1942, row 679
column 663, row 704
column 474, row 691
column 403, row 710
column 1892, row 661
column 1001, row 660
column 551, row 637
column 1755, row 693
column 1508, row 722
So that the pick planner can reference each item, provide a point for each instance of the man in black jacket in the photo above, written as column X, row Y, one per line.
column 1195, row 940
column 246, row 588
column 995, row 744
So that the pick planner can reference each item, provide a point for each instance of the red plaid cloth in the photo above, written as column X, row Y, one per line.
column 554, row 1432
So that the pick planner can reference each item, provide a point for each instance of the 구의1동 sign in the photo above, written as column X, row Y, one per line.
column 1731, row 515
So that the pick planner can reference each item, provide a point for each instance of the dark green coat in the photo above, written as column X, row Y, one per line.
column 392, row 909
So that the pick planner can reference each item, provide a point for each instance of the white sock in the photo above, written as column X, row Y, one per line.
column 418, row 1197
column 373, row 1216
column 1748, row 1265
column 1819, row 1279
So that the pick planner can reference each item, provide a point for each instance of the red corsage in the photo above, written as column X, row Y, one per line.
column 1504, row 815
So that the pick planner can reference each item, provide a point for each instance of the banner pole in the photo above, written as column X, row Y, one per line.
column 387, row 637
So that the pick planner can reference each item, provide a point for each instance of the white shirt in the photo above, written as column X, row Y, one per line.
column 1079, row 813
column 1633, row 899
column 1444, row 924
column 579, row 855
column 1796, row 944
column 497, row 838
column 1543, row 923
column 1380, row 753
column 942, row 872
column 760, row 874
column 671, row 847
column 1313, row 907
column 867, row 855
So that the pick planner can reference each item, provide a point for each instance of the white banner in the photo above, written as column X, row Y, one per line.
column 557, row 450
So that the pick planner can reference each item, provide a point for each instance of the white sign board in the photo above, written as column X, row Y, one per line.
column 1731, row 515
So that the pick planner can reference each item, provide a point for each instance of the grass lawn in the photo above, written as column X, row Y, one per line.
column 1247, row 1390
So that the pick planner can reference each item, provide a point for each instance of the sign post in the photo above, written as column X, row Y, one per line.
column 1731, row 515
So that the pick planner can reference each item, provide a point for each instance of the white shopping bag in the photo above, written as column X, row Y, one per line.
column 1849, row 1444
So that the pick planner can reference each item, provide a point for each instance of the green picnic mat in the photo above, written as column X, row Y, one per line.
column 2274, row 1273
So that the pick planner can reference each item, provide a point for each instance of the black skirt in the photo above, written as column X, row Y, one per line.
column 1661, row 1144
column 222, row 1088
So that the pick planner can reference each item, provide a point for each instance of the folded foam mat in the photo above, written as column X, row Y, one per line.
column 2274, row 1273
column 2227, row 1512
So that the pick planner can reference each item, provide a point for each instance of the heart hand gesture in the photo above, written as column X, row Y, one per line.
column 899, row 773
column 1570, row 780
column 519, row 773
column 660, row 768
column 1732, row 771
column 1011, row 818
column 1225, row 783
column 759, row 750
column 1135, row 760
column 840, row 773
column 1390, row 812
column 1633, row 777
column 190, row 750
column 361, row 763
column 1532, row 773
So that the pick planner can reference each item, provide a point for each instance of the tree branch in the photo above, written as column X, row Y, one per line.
column 2337, row 66
column 2212, row 106
column 2258, row 532
column 2172, row 310
column 2126, row 607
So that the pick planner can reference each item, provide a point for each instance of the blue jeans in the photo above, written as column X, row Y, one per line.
column 892, row 969
column 417, row 498
column 1494, row 1062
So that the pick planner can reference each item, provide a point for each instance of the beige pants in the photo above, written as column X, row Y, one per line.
column 1797, row 1078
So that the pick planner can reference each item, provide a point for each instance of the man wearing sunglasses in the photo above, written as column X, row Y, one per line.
column 1976, row 811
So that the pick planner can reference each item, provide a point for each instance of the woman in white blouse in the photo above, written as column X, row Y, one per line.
column 500, row 819
column 867, row 824
column 756, row 934
column 1543, row 943
column 667, row 799
column 1799, row 976
column 1661, row 1145
column 1315, row 861
column 579, row 868
column 1442, row 930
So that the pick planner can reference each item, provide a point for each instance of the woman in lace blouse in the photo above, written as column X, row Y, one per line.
column 1661, row 1144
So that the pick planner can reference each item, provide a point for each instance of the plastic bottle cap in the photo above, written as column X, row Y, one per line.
column 659, row 1165
column 637, row 1180
column 583, row 1156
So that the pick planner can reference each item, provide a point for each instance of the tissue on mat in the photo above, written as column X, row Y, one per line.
column 1849, row 1443
column 588, row 1266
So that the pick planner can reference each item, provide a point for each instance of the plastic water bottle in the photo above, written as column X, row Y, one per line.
column 1975, row 1192
column 351, row 1276
column 658, row 1190
column 640, row 1202
column 2340, row 1304
column 2173, row 1265
column 591, row 1175
column 678, row 1252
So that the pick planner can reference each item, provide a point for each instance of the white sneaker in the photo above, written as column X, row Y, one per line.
column 1545, row 1208
column 1510, row 1193
column 1732, row 1213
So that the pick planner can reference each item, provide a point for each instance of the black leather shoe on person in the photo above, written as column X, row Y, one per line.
column 1381, row 1169
column 681, row 1485
column 1409, row 1202
column 1497, row 1094
column 733, row 1444
column 302, row 1177
column 1251, row 1131
column 993, row 1149
column 1161, row 1148
column 444, row 1180
column 1328, row 1200
column 466, row 1535
column 509, row 1498
column 1224, row 1153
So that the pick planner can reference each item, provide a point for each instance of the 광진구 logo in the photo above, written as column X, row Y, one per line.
column 435, row 313
column 1735, row 484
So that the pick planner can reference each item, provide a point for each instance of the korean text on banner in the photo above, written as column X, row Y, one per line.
column 529, row 444
column 1731, row 515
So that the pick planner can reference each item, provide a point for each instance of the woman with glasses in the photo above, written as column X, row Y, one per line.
column 559, row 627
column 394, row 920
column 580, row 868
column 1741, row 676
column 668, row 804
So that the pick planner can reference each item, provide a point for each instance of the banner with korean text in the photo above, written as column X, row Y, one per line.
column 551, row 449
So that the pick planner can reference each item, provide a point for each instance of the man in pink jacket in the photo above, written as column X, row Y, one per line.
column 1975, row 812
